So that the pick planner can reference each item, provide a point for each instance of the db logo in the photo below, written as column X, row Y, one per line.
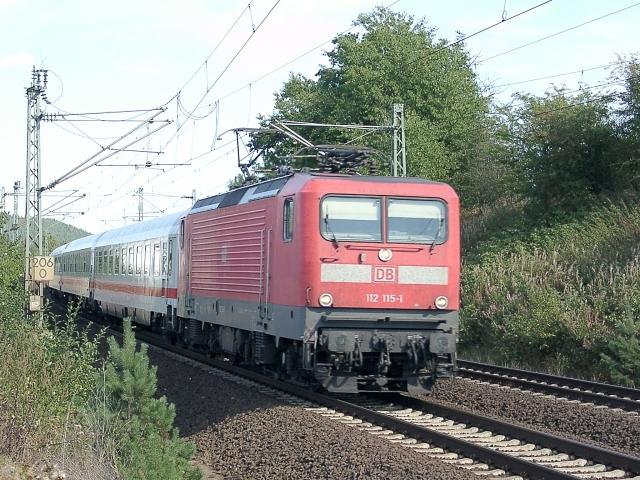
column 384, row 274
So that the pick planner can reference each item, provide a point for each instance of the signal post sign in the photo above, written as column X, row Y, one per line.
column 41, row 268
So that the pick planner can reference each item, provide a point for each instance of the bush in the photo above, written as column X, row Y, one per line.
column 621, row 357
column 46, row 375
column 148, row 447
column 560, row 298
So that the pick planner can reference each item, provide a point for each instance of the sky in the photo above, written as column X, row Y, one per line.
column 215, row 65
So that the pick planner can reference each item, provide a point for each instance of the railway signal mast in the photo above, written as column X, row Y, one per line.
column 33, row 191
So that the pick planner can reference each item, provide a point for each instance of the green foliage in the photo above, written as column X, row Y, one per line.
column 558, row 296
column 621, row 355
column 56, row 233
column 150, row 447
column 11, row 277
column 46, row 374
column 566, row 147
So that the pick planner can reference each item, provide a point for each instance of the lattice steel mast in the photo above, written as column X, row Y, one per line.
column 33, row 191
column 399, row 146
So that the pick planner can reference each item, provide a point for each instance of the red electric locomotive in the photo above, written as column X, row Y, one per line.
column 353, row 278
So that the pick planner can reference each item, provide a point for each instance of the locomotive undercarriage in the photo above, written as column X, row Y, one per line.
column 352, row 361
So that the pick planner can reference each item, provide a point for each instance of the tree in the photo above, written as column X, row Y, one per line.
column 393, row 60
column 627, row 115
column 150, row 447
column 566, row 146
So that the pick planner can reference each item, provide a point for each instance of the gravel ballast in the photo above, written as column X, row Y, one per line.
column 600, row 426
column 241, row 433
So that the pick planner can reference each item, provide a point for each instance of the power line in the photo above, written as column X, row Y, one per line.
column 293, row 60
column 229, row 63
column 556, row 34
column 519, row 82
column 204, row 64
column 503, row 20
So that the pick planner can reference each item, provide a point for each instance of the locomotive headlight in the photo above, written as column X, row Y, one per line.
column 442, row 302
column 326, row 300
column 385, row 254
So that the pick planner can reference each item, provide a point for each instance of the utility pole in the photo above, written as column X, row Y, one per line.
column 399, row 146
column 140, row 193
column 33, row 192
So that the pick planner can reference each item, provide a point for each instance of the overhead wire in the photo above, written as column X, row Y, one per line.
column 546, row 37
column 295, row 59
column 204, row 64
column 466, row 37
column 519, row 82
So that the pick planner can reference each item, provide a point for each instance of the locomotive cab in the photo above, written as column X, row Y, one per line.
column 382, row 276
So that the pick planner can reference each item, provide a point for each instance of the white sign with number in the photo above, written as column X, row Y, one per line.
column 41, row 268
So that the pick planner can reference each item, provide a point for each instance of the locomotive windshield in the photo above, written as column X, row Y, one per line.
column 360, row 219
column 415, row 221
column 351, row 218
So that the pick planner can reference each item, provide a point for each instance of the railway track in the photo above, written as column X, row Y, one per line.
column 612, row 396
column 482, row 445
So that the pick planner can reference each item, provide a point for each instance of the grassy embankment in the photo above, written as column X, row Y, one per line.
column 559, row 293
column 61, row 403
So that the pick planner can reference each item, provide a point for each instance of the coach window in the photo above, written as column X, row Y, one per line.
column 139, row 260
column 147, row 258
column 123, row 269
column 287, row 220
column 131, row 261
column 99, row 270
column 116, row 265
column 170, row 258
column 110, row 264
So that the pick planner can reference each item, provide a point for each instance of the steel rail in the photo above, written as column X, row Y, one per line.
column 599, row 393
column 611, row 458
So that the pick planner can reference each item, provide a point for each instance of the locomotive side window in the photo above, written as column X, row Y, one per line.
column 287, row 220
column 416, row 221
column 351, row 218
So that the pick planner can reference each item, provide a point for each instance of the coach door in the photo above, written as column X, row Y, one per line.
column 163, row 266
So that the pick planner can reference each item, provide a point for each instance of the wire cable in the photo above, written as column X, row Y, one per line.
column 463, row 39
column 555, row 34
column 204, row 64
